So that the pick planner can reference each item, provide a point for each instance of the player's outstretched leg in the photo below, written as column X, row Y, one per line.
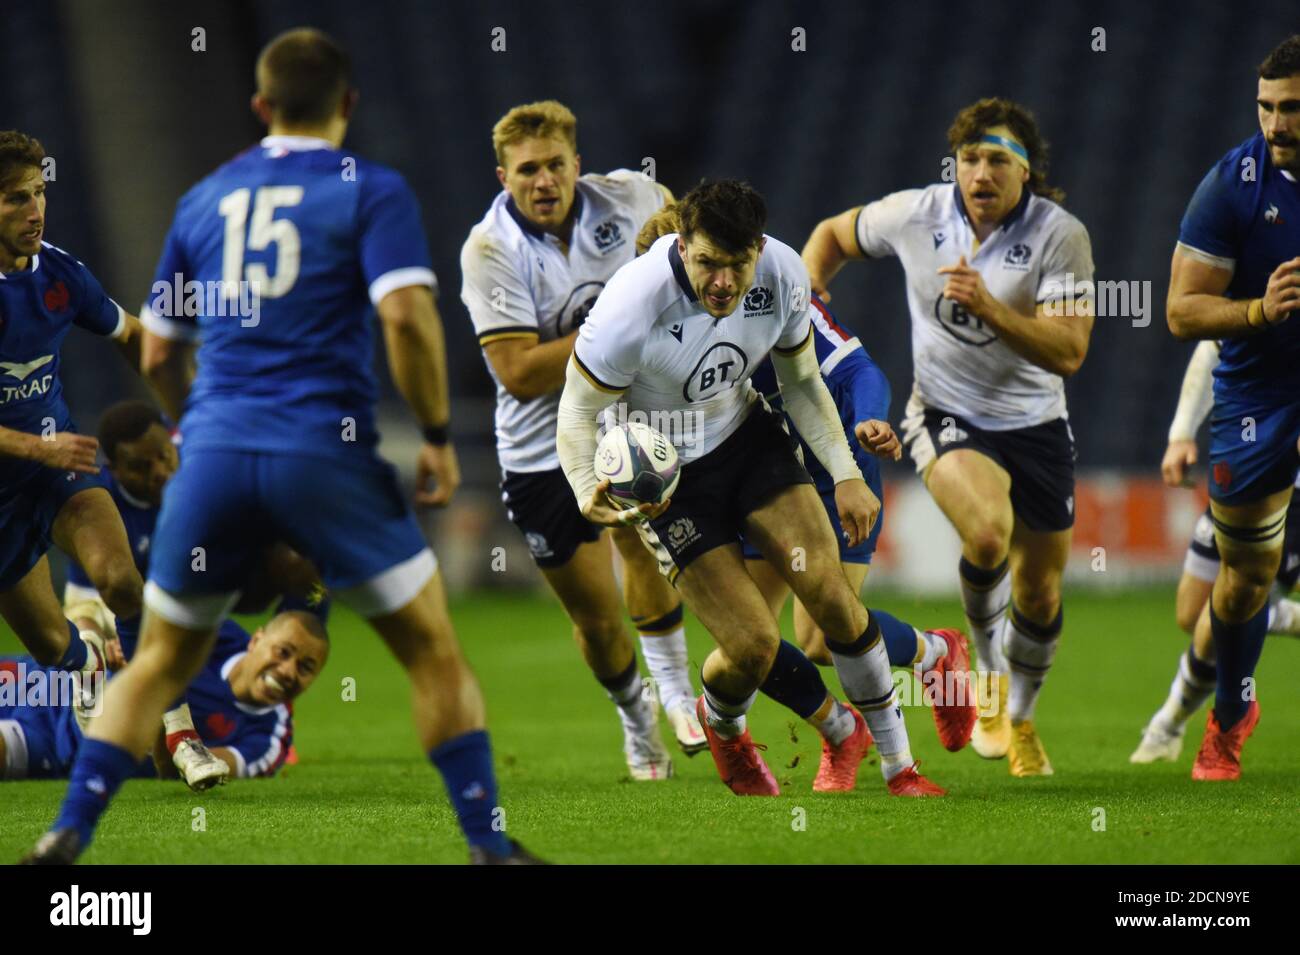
column 938, row 658
column 449, row 719
column 794, row 518
column 167, row 659
column 586, row 587
column 657, row 614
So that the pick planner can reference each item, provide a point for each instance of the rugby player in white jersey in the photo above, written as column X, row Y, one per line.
column 999, row 286
column 533, row 267
column 1197, row 673
column 675, row 337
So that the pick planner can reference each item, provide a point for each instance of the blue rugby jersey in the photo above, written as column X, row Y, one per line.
column 316, row 236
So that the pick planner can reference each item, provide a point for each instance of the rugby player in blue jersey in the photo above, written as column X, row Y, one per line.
column 49, row 491
column 1236, row 278
column 142, row 457
column 272, row 268
column 240, row 699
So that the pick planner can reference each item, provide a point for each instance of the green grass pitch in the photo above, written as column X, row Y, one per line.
column 363, row 792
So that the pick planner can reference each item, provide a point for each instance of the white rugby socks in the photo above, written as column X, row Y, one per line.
column 863, row 669
column 666, row 659
column 1029, row 649
column 1194, row 683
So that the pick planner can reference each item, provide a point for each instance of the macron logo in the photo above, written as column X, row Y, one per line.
column 134, row 909
column 21, row 369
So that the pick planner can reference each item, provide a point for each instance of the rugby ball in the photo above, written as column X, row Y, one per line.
column 640, row 464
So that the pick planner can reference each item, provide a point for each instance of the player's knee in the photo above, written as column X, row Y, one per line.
column 597, row 630
column 122, row 589
column 827, row 597
column 986, row 545
column 1186, row 614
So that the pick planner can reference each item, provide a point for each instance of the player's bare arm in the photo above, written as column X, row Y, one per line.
column 1197, row 307
column 167, row 364
column 63, row 450
column 528, row 368
column 417, row 357
column 831, row 244
column 1057, row 343
column 129, row 340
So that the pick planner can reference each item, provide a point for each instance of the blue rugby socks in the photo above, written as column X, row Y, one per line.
column 74, row 658
column 465, row 763
column 1237, row 646
column 98, row 773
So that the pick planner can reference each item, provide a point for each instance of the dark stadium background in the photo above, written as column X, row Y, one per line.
column 134, row 115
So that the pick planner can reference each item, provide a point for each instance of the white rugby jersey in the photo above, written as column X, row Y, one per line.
column 519, row 283
column 959, row 364
column 686, row 372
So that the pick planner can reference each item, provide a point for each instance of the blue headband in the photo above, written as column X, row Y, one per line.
column 1008, row 144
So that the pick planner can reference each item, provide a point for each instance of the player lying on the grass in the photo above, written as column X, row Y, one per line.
column 861, row 394
column 992, row 340
column 142, row 457
column 533, row 268
column 240, row 699
column 50, row 489
column 675, row 336
column 1195, row 679
column 280, row 433
column 1235, row 277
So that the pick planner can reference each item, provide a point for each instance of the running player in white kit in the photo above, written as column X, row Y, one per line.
column 675, row 337
column 533, row 268
column 999, row 286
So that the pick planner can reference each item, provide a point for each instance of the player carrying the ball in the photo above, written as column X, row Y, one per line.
column 533, row 268
column 675, row 336
column 999, row 289
column 1236, row 278
column 940, row 658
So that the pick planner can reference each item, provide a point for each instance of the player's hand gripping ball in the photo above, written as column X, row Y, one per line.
column 639, row 463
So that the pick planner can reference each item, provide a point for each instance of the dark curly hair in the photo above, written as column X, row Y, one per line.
column 729, row 212
column 972, row 121
column 1284, row 61
column 18, row 151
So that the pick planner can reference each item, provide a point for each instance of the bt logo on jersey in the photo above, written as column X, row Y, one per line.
column 719, row 368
